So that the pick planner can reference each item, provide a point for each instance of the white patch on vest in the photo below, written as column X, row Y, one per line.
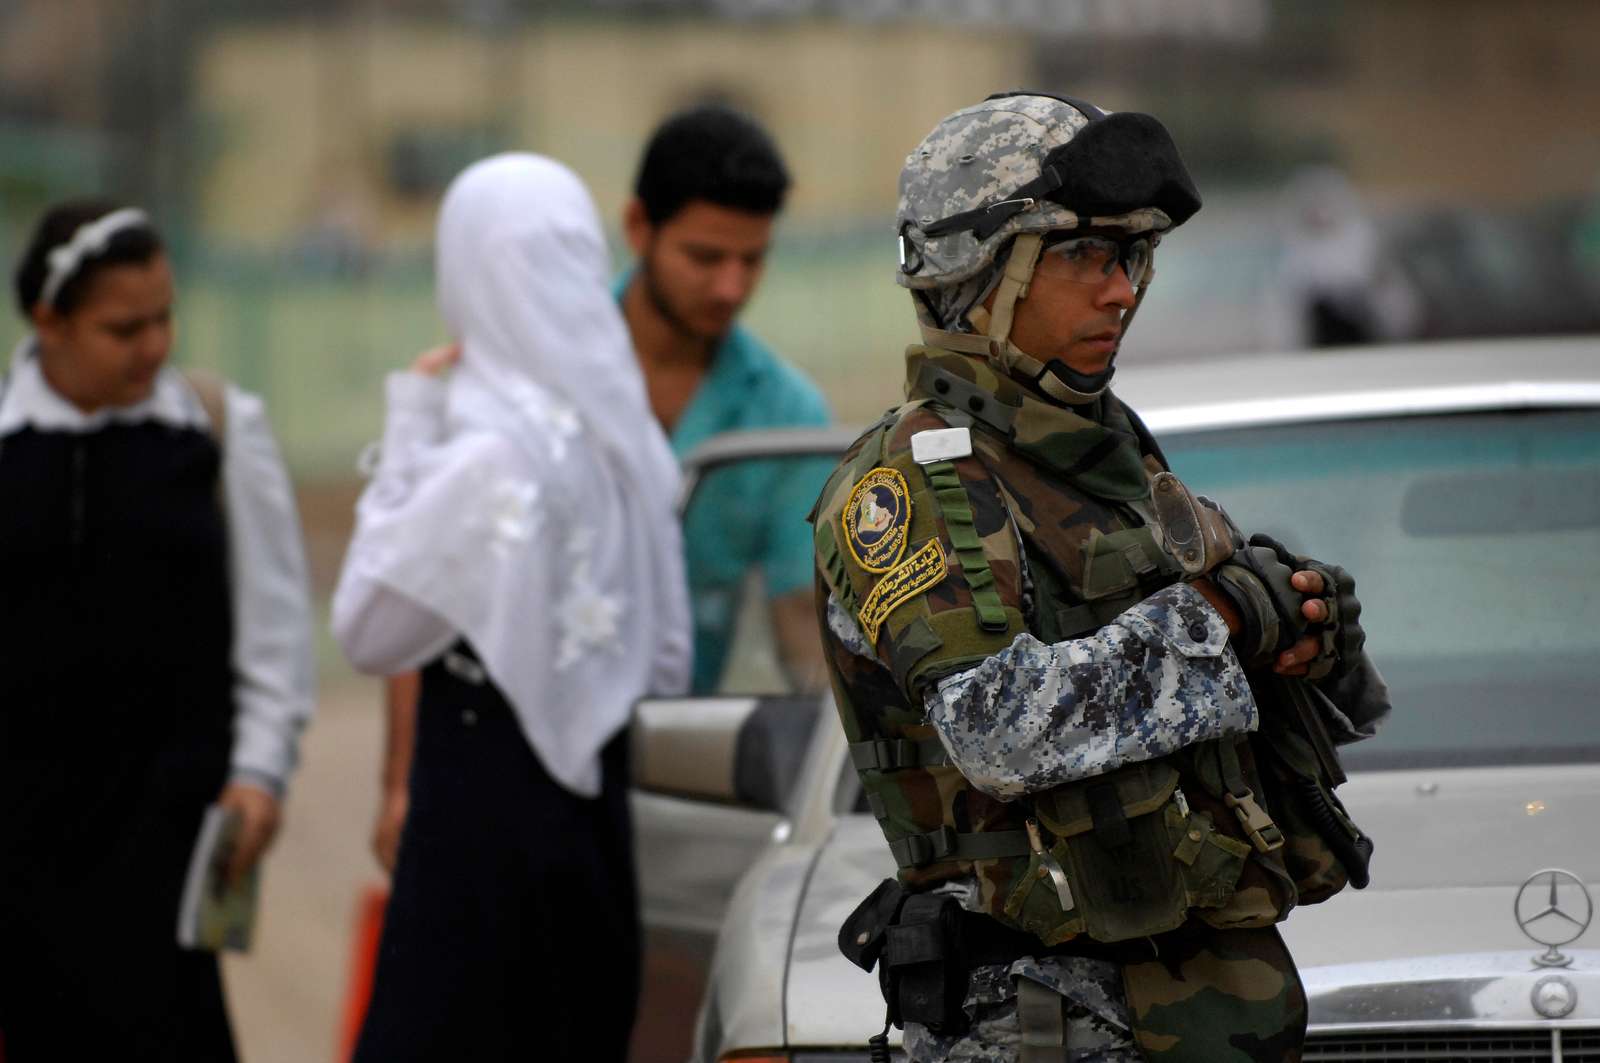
column 940, row 444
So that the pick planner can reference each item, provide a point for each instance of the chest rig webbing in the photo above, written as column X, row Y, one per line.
column 1122, row 855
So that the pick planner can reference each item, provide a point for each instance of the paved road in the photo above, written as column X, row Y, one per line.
column 286, row 996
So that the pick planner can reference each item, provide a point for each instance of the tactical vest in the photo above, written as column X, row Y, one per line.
column 1045, row 524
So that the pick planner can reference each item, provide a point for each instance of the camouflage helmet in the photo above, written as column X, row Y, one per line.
column 1031, row 163
column 981, row 191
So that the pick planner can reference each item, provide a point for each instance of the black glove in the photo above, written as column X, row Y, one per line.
column 1257, row 581
column 1341, row 636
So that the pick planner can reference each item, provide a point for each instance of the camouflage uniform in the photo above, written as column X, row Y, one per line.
column 1091, row 990
column 980, row 717
column 1018, row 665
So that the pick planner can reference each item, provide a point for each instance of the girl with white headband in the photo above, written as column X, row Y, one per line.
column 155, row 648
column 518, row 543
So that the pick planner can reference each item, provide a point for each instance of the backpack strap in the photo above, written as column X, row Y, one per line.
column 212, row 391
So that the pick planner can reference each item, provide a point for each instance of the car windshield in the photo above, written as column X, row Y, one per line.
column 1475, row 540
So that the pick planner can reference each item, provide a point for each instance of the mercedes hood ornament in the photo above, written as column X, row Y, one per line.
column 1553, row 908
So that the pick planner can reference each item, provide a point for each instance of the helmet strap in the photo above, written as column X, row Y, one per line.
column 1012, row 288
column 992, row 338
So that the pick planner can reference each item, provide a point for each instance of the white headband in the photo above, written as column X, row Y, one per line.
column 90, row 239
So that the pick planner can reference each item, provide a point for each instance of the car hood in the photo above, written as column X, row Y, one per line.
column 1453, row 848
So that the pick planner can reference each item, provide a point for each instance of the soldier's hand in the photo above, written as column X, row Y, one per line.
column 386, row 831
column 259, row 814
column 1310, row 583
column 1296, row 660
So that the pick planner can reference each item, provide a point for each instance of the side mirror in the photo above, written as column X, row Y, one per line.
column 730, row 750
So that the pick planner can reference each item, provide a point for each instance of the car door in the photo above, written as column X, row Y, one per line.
column 713, row 768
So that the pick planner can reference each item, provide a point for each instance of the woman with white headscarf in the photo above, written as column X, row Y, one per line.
column 518, row 543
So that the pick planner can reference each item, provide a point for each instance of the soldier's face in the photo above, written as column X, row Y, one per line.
column 1065, row 318
column 702, row 264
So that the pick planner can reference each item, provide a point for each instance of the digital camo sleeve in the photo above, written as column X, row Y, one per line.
column 1159, row 677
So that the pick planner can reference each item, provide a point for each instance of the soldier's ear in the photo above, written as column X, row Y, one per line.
column 636, row 227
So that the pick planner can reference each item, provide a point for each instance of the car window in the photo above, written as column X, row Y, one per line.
column 747, row 548
column 1475, row 540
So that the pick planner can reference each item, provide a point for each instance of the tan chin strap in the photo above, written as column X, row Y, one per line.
column 1013, row 287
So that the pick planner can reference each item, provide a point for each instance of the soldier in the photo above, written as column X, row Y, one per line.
column 1095, row 723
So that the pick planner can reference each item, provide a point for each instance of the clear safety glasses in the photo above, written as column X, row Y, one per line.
column 1090, row 259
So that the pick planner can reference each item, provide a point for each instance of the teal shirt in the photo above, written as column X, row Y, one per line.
column 751, row 515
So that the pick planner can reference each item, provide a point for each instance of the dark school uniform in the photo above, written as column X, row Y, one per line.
column 116, row 706
column 512, row 922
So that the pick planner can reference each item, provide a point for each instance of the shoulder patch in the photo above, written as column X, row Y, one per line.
column 877, row 519
column 922, row 570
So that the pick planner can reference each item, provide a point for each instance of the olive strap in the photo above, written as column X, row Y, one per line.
column 1079, row 621
column 956, row 509
column 895, row 754
column 1237, row 795
column 1043, row 1023
column 831, row 561
column 944, row 844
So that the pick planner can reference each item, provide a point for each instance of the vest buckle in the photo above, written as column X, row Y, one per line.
column 1263, row 832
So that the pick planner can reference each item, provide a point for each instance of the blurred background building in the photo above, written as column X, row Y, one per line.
column 295, row 152
column 296, row 149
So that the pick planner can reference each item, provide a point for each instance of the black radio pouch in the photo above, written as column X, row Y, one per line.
column 915, row 940
column 865, row 932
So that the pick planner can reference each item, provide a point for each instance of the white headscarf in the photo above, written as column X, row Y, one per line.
column 543, row 527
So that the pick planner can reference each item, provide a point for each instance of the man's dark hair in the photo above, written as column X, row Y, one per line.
column 132, row 246
column 714, row 153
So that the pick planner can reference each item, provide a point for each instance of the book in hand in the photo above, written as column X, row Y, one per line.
column 213, row 914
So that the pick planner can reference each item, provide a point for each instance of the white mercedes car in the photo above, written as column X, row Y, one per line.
column 1460, row 483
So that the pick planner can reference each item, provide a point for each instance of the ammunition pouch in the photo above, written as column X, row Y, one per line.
column 1136, row 859
column 1184, row 535
column 1119, row 569
column 916, row 942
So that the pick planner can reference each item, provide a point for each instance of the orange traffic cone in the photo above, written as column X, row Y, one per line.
column 363, row 965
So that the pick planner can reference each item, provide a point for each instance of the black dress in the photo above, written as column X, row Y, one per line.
column 116, row 706
column 513, row 916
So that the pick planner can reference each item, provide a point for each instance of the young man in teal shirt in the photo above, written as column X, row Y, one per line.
column 709, row 187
